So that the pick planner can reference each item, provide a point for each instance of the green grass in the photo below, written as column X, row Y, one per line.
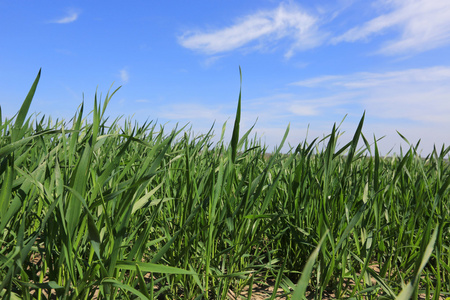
column 129, row 211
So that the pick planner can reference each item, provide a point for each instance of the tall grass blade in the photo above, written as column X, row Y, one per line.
column 409, row 290
column 22, row 114
column 5, row 193
column 303, row 282
column 235, row 135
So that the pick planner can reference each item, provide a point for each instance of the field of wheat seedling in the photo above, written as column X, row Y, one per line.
column 94, row 208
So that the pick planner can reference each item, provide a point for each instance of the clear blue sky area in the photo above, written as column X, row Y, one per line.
column 304, row 63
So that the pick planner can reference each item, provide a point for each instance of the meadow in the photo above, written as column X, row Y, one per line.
column 95, row 208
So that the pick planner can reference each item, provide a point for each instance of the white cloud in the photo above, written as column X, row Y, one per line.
column 192, row 111
column 416, row 102
column 263, row 27
column 208, row 62
column 280, row 109
column 124, row 76
column 364, row 80
column 416, row 94
column 72, row 16
column 311, row 82
column 301, row 106
column 423, row 25
column 303, row 110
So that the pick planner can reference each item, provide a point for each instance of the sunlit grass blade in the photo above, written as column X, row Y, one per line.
column 124, row 287
column 22, row 114
column 303, row 282
column 5, row 193
column 150, row 267
column 235, row 135
column 409, row 290
column 354, row 144
column 11, row 147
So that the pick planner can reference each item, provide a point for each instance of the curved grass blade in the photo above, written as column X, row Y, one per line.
column 142, row 285
column 299, row 292
column 407, row 292
column 5, row 193
column 150, row 267
column 24, row 109
column 125, row 287
column 15, row 145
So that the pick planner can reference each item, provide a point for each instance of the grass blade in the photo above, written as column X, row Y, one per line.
column 303, row 282
column 235, row 136
column 24, row 109
column 408, row 290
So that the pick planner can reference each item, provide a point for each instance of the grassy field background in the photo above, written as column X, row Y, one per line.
column 129, row 211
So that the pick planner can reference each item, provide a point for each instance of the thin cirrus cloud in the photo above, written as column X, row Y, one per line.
column 422, row 25
column 263, row 27
column 280, row 109
column 413, row 94
column 370, row 79
column 192, row 111
column 71, row 16
column 124, row 75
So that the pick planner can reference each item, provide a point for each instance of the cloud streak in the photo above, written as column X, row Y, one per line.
column 71, row 16
column 193, row 111
column 124, row 75
column 369, row 80
column 422, row 25
column 287, row 21
column 413, row 101
column 414, row 94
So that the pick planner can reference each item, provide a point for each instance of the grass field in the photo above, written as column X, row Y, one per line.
column 129, row 211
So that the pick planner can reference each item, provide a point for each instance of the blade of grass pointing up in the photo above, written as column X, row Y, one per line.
column 299, row 292
column 354, row 144
column 5, row 193
column 24, row 109
column 235, row 137
column 425, row 254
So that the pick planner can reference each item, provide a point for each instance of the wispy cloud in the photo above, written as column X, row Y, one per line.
column 312, row 82
column 283, row 108
column 264, row 28
column 208, row 62
column 422, row 25
column 413, row 94
column 369, row 80
column 71, row 16
column 193, row 111
column 124, row 75
column 413, row 101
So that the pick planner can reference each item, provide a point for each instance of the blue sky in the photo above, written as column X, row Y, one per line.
column 304, row 63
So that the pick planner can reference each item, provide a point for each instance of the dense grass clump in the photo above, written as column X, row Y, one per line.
column 127, row 212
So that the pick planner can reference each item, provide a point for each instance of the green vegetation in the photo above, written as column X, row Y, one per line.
column 127, row 212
